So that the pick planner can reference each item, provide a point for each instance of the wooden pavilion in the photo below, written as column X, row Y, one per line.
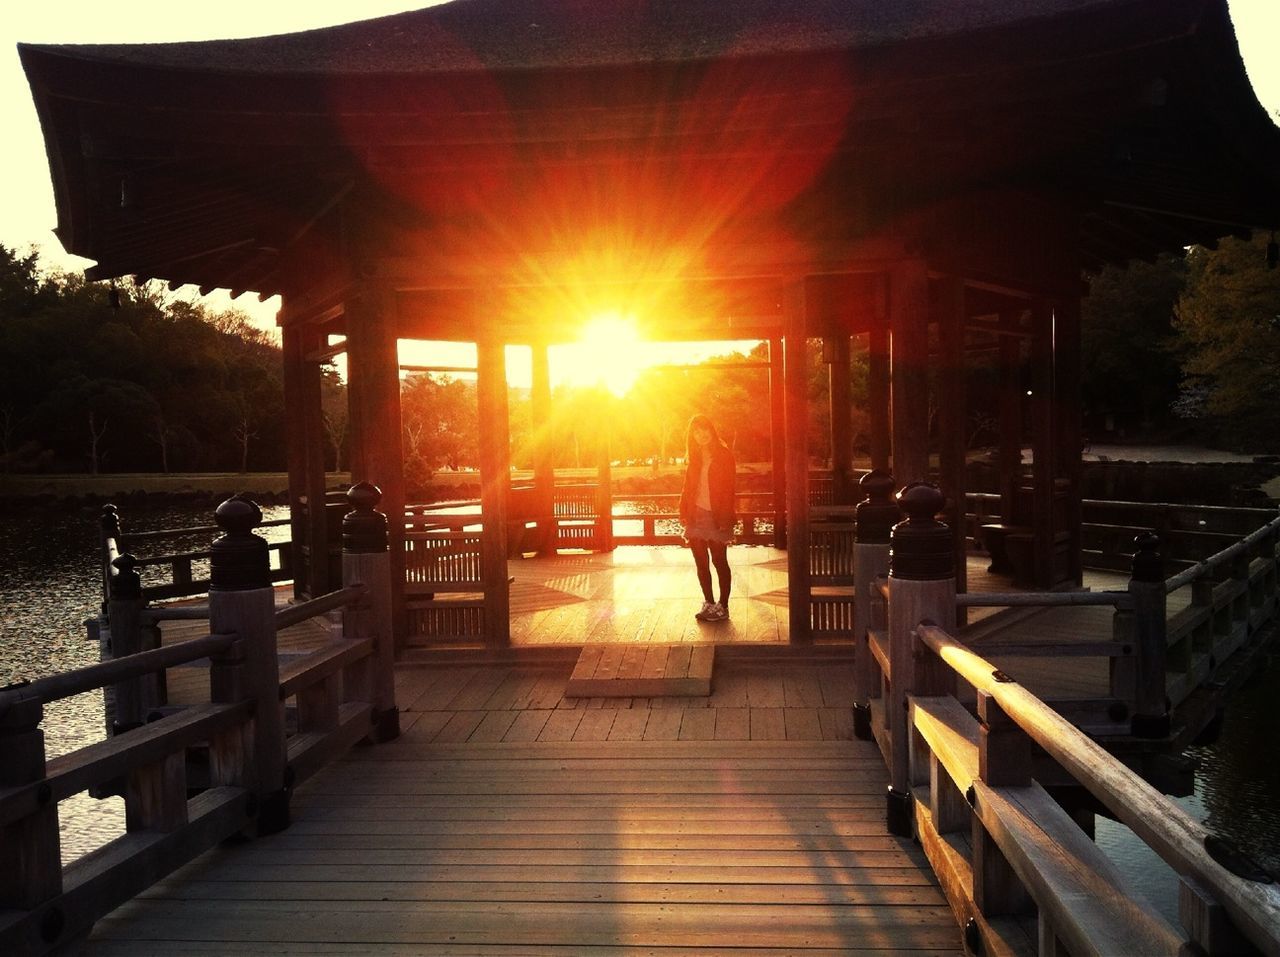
column 935, row 178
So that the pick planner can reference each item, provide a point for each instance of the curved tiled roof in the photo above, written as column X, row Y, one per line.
column 534, row 34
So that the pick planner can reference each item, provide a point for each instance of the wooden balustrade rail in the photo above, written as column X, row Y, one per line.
column 93, row 677
column 1183, row 843
column 196, row 530
column 342, row 692
column 1046, row 599
column 1213, row 562
column 296, row 614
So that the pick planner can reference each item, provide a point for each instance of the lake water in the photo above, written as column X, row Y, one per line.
column 51, row 585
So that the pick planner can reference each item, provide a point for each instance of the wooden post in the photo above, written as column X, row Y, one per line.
column 909, row 353
column 133, row 697
column 1009, row 458
column 1146, row 585
column 365, row 561
column 778, row 442
column 953, row 420
column 878, row 400
column 1067, row 404
column 242, row 601
column 874, row 520
column 796, row 376
column 841, row 422
column 30, row 854
column 604, row 476
column 1043, row 443
column 1004, row 760
column 544, row 473
column 922, row 587
column 292, row 362
column 373, row 369
column 495, row 484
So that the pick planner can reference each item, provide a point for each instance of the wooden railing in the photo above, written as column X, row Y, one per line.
column 1015, row 866
column 342, row 692
column 1226, row 557
column 180, row 580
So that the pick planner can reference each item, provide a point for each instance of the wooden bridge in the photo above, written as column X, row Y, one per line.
column 489, row 813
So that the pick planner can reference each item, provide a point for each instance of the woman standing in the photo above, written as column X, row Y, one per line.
column 706, row 509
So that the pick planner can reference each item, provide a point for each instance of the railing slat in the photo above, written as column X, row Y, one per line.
column 295, row 614
column 56, row 687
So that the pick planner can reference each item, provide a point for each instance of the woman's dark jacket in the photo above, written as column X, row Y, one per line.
column 720, row 479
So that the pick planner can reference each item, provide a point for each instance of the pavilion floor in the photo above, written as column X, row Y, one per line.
column 509, row 820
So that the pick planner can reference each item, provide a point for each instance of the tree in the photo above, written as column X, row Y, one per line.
column 1130, row 345
column 1228, row 321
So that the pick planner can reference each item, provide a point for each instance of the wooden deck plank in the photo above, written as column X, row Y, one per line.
column 561, row 725
column 528, row 725
column 733, row 724
column 767, row 724
column 564, row 839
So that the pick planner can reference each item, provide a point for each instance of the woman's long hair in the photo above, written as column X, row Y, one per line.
column 692, row 450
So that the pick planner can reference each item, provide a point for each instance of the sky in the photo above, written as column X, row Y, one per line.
column 27, row 213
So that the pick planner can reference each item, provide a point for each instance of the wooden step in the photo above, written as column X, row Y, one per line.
column 642, row 671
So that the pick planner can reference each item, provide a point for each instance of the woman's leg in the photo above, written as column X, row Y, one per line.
column 702, row 562
column 720, row 557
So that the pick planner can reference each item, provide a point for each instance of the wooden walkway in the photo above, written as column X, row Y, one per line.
column 510, row 820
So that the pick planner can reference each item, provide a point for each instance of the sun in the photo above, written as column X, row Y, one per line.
column 610, row 353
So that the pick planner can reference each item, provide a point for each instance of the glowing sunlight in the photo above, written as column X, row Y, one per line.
column 609, row 353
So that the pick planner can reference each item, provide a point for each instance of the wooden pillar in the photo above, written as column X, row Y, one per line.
column 953, row 417
column 305, row 449
column 604, row 473
column 796, row 378
column 495, row 485
column 544, row 473
column 778, row 442
column 1067, row 362
column 1009, row 457
column 878, row 400
column 836, row 350
column 373, row 373
column 293, row 360
column 909, row 383
column 1042, row 441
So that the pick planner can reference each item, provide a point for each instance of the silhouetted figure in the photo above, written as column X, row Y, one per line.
column 706, row 509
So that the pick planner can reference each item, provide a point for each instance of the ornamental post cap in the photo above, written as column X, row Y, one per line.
column 238, row 515
column 1148, row 563
column 922, row 502
column 878, row 485
column 364, row 496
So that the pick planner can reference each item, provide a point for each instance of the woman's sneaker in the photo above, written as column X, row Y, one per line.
column 717, row 613
column 704, row 613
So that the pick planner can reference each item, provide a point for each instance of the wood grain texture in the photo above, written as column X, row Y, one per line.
column 604, row 847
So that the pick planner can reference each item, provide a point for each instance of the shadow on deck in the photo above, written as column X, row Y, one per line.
column 510, row 820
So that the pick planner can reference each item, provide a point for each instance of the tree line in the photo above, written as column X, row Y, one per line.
column 127, row 377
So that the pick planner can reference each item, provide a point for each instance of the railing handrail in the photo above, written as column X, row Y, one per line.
column 198, row 530
column 1201, row 568
column 1176, row 837
column 296, row 614
column 1047, row 599
column 91, row 677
